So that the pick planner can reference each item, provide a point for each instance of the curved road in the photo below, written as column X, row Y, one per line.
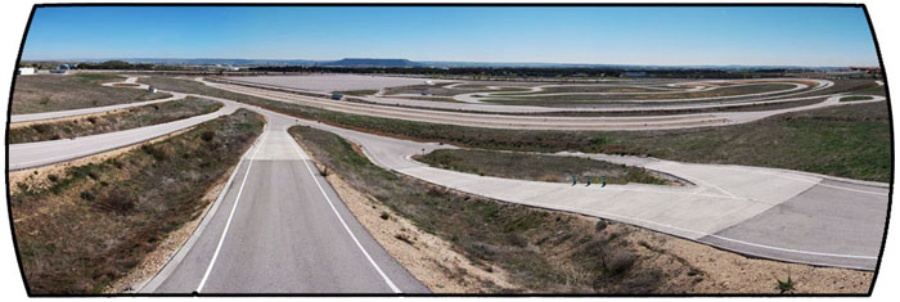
column 30, row 155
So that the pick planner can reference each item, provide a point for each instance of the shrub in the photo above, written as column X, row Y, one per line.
column 52, row 177
column 207, row 135
column 40, row 128
column 156, row 153
column 619, row 262
column 87, row 195
column 116, row 201
column 385, row 215
column 601, row 225
column 785, row 286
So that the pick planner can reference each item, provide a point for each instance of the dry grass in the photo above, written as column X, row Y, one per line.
column 44, row 93
column 98, row 221
column 116, row 121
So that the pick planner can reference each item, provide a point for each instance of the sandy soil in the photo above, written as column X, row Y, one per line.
column 717, row 271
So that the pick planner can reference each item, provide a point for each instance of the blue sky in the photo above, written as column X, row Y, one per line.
column 804, row 36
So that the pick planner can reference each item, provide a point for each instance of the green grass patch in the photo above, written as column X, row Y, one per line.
column 357, row 92
column 535, row 167
column 874, row 90
column 98, row 124
column 855, row 98
column 97, row 78
column 83, row 230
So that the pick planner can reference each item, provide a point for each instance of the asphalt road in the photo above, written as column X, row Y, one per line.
column 280, row 228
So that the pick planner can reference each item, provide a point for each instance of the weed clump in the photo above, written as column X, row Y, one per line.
column 207, row 136
column 157, row 153
column 116, row 201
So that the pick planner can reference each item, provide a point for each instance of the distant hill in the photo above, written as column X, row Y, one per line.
column 358, row 62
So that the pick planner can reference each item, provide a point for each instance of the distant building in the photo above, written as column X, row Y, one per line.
column 26, row 71
column 337, row 96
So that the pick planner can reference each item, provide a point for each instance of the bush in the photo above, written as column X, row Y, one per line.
column 156, row 153
column 619, row 262
column 601, row 225
column 52, row 177
column 207, row 135
column 116, row 201
column 40, row 128
column 87, row 195
column 385, row 215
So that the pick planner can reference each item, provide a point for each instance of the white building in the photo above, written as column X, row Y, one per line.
column 26, row 71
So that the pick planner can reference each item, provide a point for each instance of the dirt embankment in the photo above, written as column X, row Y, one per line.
column 89, row 227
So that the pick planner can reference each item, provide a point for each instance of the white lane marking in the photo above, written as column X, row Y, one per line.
column 704, row 234
column 793, row 250
column 384, row 276
column 854, row 190
column 237, row 200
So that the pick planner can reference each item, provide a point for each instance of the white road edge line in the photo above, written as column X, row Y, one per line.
column 199, row 230
column 793, row 250
column 237, row 200
column 384, row 276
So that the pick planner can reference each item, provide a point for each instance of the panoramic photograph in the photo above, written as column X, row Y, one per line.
column 434, row 150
